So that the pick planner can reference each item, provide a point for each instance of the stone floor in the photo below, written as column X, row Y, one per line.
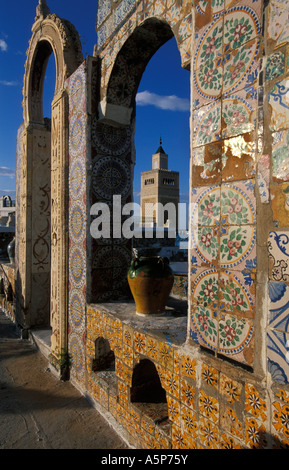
column 37, row 411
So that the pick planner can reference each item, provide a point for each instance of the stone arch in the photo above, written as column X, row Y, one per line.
column 7, row 201
column 128, row 68
column 51, row 34
column 43, row 186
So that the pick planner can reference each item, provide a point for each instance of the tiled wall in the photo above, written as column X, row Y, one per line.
column 77, row 90
column 276, row 87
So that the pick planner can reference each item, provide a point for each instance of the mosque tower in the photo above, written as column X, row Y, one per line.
column 159, row 185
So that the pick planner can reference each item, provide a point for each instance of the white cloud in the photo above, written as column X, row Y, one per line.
column 170, row 103
column 4, row 171
column 7, row 83
column 3, row 45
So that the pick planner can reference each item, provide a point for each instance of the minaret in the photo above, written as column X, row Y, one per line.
column 160, row 159
column 159, row 185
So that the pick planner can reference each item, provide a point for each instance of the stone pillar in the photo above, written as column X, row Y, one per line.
column 59, row 221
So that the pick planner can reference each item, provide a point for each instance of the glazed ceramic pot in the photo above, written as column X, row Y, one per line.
column 151, row 280
column 11, row 250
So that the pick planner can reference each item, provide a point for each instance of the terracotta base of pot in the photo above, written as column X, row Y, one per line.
column 150, row 294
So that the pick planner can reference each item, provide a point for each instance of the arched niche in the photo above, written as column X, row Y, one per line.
column 146, row 385
column 41, row 298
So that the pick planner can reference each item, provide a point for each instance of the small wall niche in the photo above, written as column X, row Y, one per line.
column 146, row 385
column 104, row 356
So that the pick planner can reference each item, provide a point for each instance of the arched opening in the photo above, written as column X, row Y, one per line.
column 148, row 395
column 146, row 385
column 37, row 81
column 120, row 140
column 42, row 86
column 162, row 141
column 104, row 356
column 49, row 87
column 103, row 364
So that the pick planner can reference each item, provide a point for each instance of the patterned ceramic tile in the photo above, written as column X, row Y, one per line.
column 278, row 247
column 239, row 112
column 230, row 422
column 254, row 404
column 128, row 335
column 204, row 327
column 279, row 195
column 103, row 11
column 208, row 433
column 237, row 246
column 241, row 24
column 279, row 102
column 280, row 165
column 236, row 338
column 128, row 355
column 241, row 67
column 152, row 348
column 189, row 421
column 205, row 206
column 207, row 84
column 210, row 376
column 208, row 44
column 238, row 205
column 178, row 438
column 186, row 28
column 123, row 393
column 208, row 406
column 185, row 49
column 139, row 342
column 278, row 21
column 277, row 336
column 159, row 7
column 166, row 355
column 188, row 367
column 215, row 7
column 174, row 410
column 263, row 178
column 235, row 297
column 206, row 164
column 123, row 9
column 278, row 305
column 228, row 442
column 280, row 419
column 207, row 124
column 275, row 65
column 172, row 384
column 187, row 394
column 205, row 246
column 282, row 395
column 255, row 434
column 239, row 157
column 205, row 285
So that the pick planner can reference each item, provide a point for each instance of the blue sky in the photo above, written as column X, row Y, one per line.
column 162, row 100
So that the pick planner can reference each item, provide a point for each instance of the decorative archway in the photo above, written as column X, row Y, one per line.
column 42, row 161
column 113, row 152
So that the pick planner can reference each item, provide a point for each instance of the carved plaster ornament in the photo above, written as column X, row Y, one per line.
column 42, row 10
